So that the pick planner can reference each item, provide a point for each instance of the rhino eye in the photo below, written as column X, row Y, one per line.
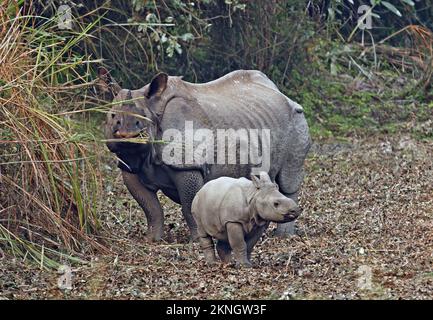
column 137, row 123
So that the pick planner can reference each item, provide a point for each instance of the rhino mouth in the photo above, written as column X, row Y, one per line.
column 289, row 218
column 292, row 215
column 127, row 135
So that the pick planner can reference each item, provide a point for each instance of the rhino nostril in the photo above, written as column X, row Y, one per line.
column 118, row 122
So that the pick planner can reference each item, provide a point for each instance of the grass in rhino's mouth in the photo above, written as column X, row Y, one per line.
column 141, row 137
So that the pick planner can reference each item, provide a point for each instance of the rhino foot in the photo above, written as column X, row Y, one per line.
column 224, row 251
column 154, row 238
column 210, row 258
column 243, row 264
column 194, row 236
column 154, row 234
column 285, row 229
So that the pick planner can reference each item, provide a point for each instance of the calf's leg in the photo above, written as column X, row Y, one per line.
column 208, row 248
column 235, row 233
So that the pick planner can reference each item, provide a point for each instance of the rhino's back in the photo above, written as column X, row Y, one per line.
column 244, row 76
column 241, row 99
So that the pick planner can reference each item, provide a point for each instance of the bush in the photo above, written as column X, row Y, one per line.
column 49, row 179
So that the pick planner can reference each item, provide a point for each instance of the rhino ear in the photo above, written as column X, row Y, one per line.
column 256, row 181
column 264, row 177
column 105, row 84
column 157, row 85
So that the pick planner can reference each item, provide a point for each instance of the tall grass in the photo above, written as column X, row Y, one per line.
column 49, row 178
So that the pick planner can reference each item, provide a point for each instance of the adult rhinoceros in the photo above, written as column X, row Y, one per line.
column 242, row 101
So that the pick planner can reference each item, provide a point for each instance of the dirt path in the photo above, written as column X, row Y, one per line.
column 366, row 232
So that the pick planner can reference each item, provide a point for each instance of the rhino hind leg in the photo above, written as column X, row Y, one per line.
column 188, row 183
column 289, row 181
column 224, row 251
column 208, row 247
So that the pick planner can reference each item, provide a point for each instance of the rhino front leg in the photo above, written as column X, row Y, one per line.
column 252, row 240
column 188, row 183
column 149, row 202
column 235, row 233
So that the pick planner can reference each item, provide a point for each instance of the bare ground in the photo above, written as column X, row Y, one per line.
column 366, row 232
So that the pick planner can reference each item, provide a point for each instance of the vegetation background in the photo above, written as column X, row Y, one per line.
column 353, row 83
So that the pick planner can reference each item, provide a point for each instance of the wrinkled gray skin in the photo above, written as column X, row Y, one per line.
column 236, row 212
column 241, row 99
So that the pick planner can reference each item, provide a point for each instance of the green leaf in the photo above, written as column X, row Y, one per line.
column 178, row 48
column 240, row 7
column 187, row 36
column 163, row 38
column 391, row 8
column 409, row 2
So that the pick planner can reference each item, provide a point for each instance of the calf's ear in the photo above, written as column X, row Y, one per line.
column 157, row 85
column 256, row 181
column 264, row 177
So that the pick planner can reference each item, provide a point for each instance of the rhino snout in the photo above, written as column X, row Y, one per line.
column 293, row 214
column 131, row 131
column 291, row 209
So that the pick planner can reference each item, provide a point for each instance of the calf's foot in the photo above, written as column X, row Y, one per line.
column 208, row 247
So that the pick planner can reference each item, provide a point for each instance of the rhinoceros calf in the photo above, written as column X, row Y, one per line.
column 236, row 212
